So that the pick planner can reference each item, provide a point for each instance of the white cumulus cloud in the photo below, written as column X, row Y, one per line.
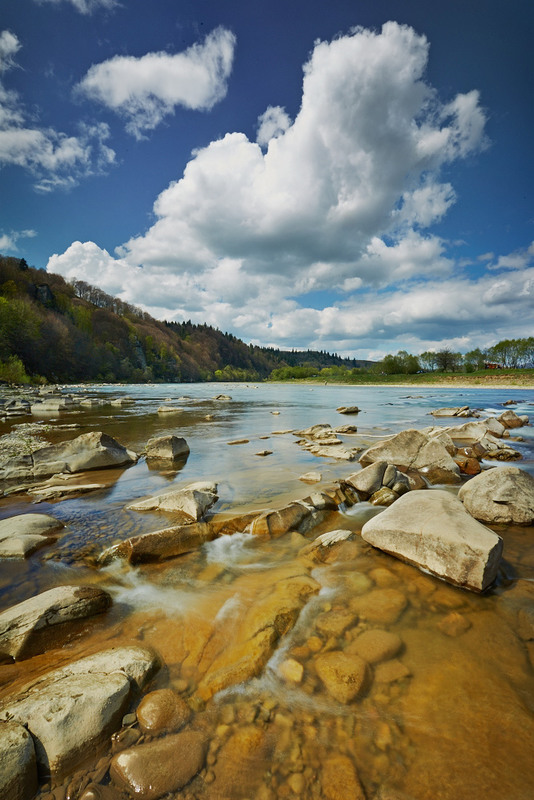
column 85, row 6
column 56, row 159
column 340, row 199
column 8, row 241
column 144, row 90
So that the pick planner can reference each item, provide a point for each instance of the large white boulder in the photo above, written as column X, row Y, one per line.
column 503, row 495
column 432, row 530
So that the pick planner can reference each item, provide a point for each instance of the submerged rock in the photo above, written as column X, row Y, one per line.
column 375, row 645
column 21, row 625
column 273, row 614
column 504, row 495
column 94, row 450
column 343, row 675
column 340, row 779
column 432, row 530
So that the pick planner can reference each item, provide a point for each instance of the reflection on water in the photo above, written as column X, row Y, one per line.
column 445, row 705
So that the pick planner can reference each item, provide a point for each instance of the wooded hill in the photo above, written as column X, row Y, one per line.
column 55, row 331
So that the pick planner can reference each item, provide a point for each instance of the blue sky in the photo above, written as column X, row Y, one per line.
column 347, row 176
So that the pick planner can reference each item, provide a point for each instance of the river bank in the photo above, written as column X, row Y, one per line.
column 272, row 656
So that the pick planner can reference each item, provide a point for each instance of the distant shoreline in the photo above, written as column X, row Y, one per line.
column 446, row 383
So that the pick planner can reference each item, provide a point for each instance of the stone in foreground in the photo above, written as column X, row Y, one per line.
column 159, row 767
column 22, row 626
column 432, row 530
column 18, row 770
column 72, row 711
column 504, row 495
column 71, row 717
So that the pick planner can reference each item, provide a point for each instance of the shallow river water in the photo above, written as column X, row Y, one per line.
column 450, row 716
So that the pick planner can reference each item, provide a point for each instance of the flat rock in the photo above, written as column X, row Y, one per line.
column 21, row 625
column 348, row 410
column 190, row 503
column 18, row 769
column 138, row 664
column 161, row 545
column 476, row 431
column 22, row 535
column 414, row 450
column 26, row 524
column 346, row 429
column 272, row 615
column 160, row 767
column 457, row 411
column 432, row 530
column 504, row 495
column 61, row 490
column 71, row 717
column 95, row 450
column 333, row 451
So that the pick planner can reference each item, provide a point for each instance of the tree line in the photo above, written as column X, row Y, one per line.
column 506, row 354
column 55, row 331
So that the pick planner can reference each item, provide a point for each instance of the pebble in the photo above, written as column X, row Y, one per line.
column 162, row 711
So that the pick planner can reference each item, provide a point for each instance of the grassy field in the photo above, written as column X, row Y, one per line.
column 520, row 378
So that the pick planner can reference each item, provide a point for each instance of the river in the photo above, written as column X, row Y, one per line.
column 457, row 718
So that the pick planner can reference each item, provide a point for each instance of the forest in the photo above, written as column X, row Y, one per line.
column 55, row 331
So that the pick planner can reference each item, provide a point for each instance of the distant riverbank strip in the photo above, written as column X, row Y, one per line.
column 520, row 379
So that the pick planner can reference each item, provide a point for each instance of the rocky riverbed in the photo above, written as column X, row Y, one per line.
column 370, row 635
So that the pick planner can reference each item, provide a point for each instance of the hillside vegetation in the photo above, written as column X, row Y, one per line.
column 54, row 331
